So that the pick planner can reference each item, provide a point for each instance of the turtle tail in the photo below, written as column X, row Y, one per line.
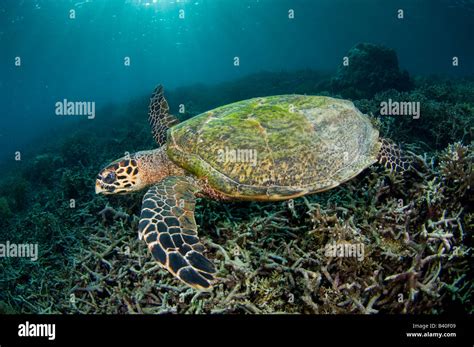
column 393, row 158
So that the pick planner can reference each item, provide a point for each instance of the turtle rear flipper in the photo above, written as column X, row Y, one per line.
column 168, row 226
column 159, row 117
column 393, row 158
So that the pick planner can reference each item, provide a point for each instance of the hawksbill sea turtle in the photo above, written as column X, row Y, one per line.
column 302, row 144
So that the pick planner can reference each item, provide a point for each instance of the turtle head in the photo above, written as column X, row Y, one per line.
column 121, row 176
column 134, row 172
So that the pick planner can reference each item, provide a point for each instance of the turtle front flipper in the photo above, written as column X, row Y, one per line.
column 159, row 117
column 168, row 226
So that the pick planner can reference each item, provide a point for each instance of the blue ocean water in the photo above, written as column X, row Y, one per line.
column 112, row 51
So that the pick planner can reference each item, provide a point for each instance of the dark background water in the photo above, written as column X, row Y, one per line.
column 82, row 59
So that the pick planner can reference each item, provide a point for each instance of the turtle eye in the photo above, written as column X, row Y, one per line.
column 110, row 178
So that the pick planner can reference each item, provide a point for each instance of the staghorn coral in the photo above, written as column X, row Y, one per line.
column 456, row 170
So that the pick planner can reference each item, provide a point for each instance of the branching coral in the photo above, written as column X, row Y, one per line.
column 456, row 170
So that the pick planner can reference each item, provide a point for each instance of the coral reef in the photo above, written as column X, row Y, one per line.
column 370, row 69
column 5, row 211
column 443, row 120
column 415, row 229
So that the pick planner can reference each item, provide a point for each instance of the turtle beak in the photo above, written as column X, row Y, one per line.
column 99, row 185
column 98, row 188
